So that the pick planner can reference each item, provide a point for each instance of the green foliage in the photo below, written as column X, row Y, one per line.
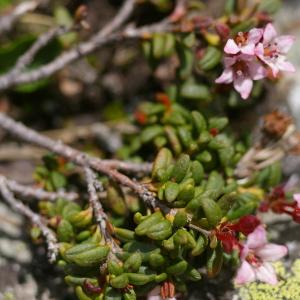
column 183, row 131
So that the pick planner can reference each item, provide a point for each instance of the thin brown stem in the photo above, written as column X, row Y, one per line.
column 100, row 215
column 95, row 42
column 7, row 22
column 38, row 193
column 41, row 42
column 78, row 157
column 199, row 229
column 34, row 218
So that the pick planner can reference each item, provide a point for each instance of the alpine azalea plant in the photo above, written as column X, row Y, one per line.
column 171, row 194
column 251, row 54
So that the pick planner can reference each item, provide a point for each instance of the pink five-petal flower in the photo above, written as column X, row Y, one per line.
column 272, row 51
column 244, row 42
column 256, row 256
column 241, row 70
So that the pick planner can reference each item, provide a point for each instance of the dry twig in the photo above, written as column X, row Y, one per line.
column 107, row 35
column 6, row 22
column 38, row 193
column 12, row 152
column 29, row 55
column 34, row 218
column 100, row 215
column 78, row 157
column 268, row 151
column 109, row 135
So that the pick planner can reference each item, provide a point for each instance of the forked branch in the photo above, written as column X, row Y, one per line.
column 82, row 159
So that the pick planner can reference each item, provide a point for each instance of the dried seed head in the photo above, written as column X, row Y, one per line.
column 276, row 124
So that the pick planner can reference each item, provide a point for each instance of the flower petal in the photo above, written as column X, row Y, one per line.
column 274, row 68
column 257, row 71
column 231, row 47
column 269, row 33
column 258, row 238
column 244, row 274
column 285, row 66
column 266, row 273
column 229, row 61
column 259, row 50
column 255, row 35
column 248, row 49
column 297, row 199
column 244, row 252
column 226, row 77
column 243, row 85
column 284, row 43
column 271, row 252
column 272, row 64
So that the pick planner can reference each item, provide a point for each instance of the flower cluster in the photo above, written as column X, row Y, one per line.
column 278, row 203
column 256, row 256
column 255, row 253
column 250, row 55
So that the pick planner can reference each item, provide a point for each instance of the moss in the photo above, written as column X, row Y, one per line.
column 288, row 287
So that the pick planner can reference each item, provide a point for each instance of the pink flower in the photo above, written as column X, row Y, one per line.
column 244, row 42
column 248, row 54
column 241, row 70
column 256, row 256
column 272, row 51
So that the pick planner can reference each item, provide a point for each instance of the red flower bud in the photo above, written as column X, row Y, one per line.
column 164, row 99
column 140, row 117
column 214, row 131
column 228, row 240
column 247, row 224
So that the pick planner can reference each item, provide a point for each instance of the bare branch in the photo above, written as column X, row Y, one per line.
column 34, row 218
column 79, row 158
column 45, row 38
column 127, row 166
column 108, row 134
column 11, row 152
column 29, row 191
column 82, row 49
column 118, row 20
column 6, row 22
column 100, row 215
column 41, row 42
